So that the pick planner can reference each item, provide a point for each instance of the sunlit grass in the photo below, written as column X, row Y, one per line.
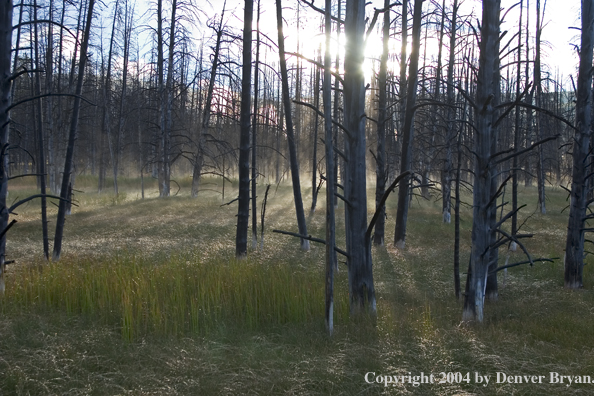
column 148, row 299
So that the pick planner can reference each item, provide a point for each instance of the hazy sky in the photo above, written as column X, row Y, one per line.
column 556, row 36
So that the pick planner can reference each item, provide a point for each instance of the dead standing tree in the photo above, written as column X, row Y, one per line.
column 243, row 211
column 574, row 248
column 408, row 128
column 290, row 133
column 5, row 100
column 69, row 162
column 361, row 287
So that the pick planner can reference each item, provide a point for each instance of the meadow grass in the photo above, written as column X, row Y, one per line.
column 148, row 299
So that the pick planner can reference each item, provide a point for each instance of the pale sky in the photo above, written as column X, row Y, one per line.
column 559, row 16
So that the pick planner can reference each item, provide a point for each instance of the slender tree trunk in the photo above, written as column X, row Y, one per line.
column 254, row 135
column 517, row 135
column 243, row 211
column 450, row 131
column 330, row 186
column 540, row 172
column 408, row 129
column 6, row 10
column 40, row 138
column 204, row 125
column 484, row 170
column 574, row 246
column 290, row 133
column 380, row 173
column 69, row 162
column 314, row 159
column 121, row 117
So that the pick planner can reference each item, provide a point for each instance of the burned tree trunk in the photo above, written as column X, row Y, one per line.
column 408, row 129
column 484, row 168
column 574, row 246
column 5, row 100
column 290, row 132
column 69, row 162
column 380, row 187
column 361, row 287
column 330, row 176
column 243, row 211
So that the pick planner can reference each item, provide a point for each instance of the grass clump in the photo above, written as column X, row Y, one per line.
column 185, row 295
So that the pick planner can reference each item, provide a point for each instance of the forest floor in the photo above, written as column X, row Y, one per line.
column 536, row 327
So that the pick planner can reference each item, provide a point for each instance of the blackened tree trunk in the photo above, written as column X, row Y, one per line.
column 574, row 246
column 69, row 161
column 243, row 211
column 5, row 101
column 40, row 138
column 446, row 179
column 408, row 129
column 540, row 172
column 290, row 132
column 484, row 166
column 330, row 176
column 380, row 156
column 199, row 158
column 314, row 159
column 254, row 135
column 361, row 287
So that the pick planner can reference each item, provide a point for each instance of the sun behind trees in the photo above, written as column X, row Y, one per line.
column 173, row 92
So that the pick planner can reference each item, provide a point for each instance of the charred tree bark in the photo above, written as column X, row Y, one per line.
column 361, row 287
column 204, row 125
column 290, row 132
column 40, row 138
column 380, row 156
column 446, row 183
column 254, row 135
column 484, row 168
column 330, row 176
column 408, row 129
column 243, row 211
column 69, row 162
column 6, row 9
column 574, row 246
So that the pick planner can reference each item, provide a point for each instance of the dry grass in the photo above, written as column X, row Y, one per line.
column 50, row 347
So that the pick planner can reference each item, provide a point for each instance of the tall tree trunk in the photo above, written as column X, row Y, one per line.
column 199, row 158
column 121, row 117
column 314, row 159
column 484, row 167
column 290, row 133
column 446, row 184
column 243, row 211
column 69, row 161
column 254, row 134
column 380, row 173
column 361, row 287
column 574, row 246
column 40, row 137
column 408, row 129
column 517, row 135
column 6, row 10
column 330, row 186
column 540, row 172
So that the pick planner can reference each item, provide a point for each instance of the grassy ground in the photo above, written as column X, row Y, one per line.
column 148, row 300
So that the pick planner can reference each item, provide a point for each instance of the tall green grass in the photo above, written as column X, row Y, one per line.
column 185, row 295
